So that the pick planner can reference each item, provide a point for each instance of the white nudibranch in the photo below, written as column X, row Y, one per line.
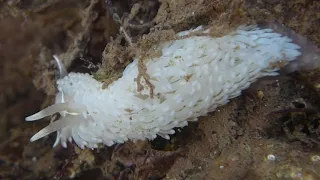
column 193, row 76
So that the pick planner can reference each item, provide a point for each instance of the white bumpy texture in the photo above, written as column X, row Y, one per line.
column 192, row 77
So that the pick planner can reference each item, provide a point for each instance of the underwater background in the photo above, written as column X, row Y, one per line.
column 272, row 131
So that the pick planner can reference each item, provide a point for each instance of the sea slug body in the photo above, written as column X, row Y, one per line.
column 193, row 76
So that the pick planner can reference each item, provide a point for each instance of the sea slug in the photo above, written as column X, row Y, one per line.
column 193, row 76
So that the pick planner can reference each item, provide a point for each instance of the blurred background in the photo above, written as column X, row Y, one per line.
column 277, row 118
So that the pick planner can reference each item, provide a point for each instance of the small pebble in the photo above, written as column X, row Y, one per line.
column 271, row 157
column 260, row 94
column 315, row 158
column 34, row 159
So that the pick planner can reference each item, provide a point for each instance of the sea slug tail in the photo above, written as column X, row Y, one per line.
column 310, row 52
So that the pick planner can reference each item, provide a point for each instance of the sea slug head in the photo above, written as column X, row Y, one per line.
column 73, row 115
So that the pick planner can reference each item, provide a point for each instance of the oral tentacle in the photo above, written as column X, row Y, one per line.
column 72, row 108
column 55, row 126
